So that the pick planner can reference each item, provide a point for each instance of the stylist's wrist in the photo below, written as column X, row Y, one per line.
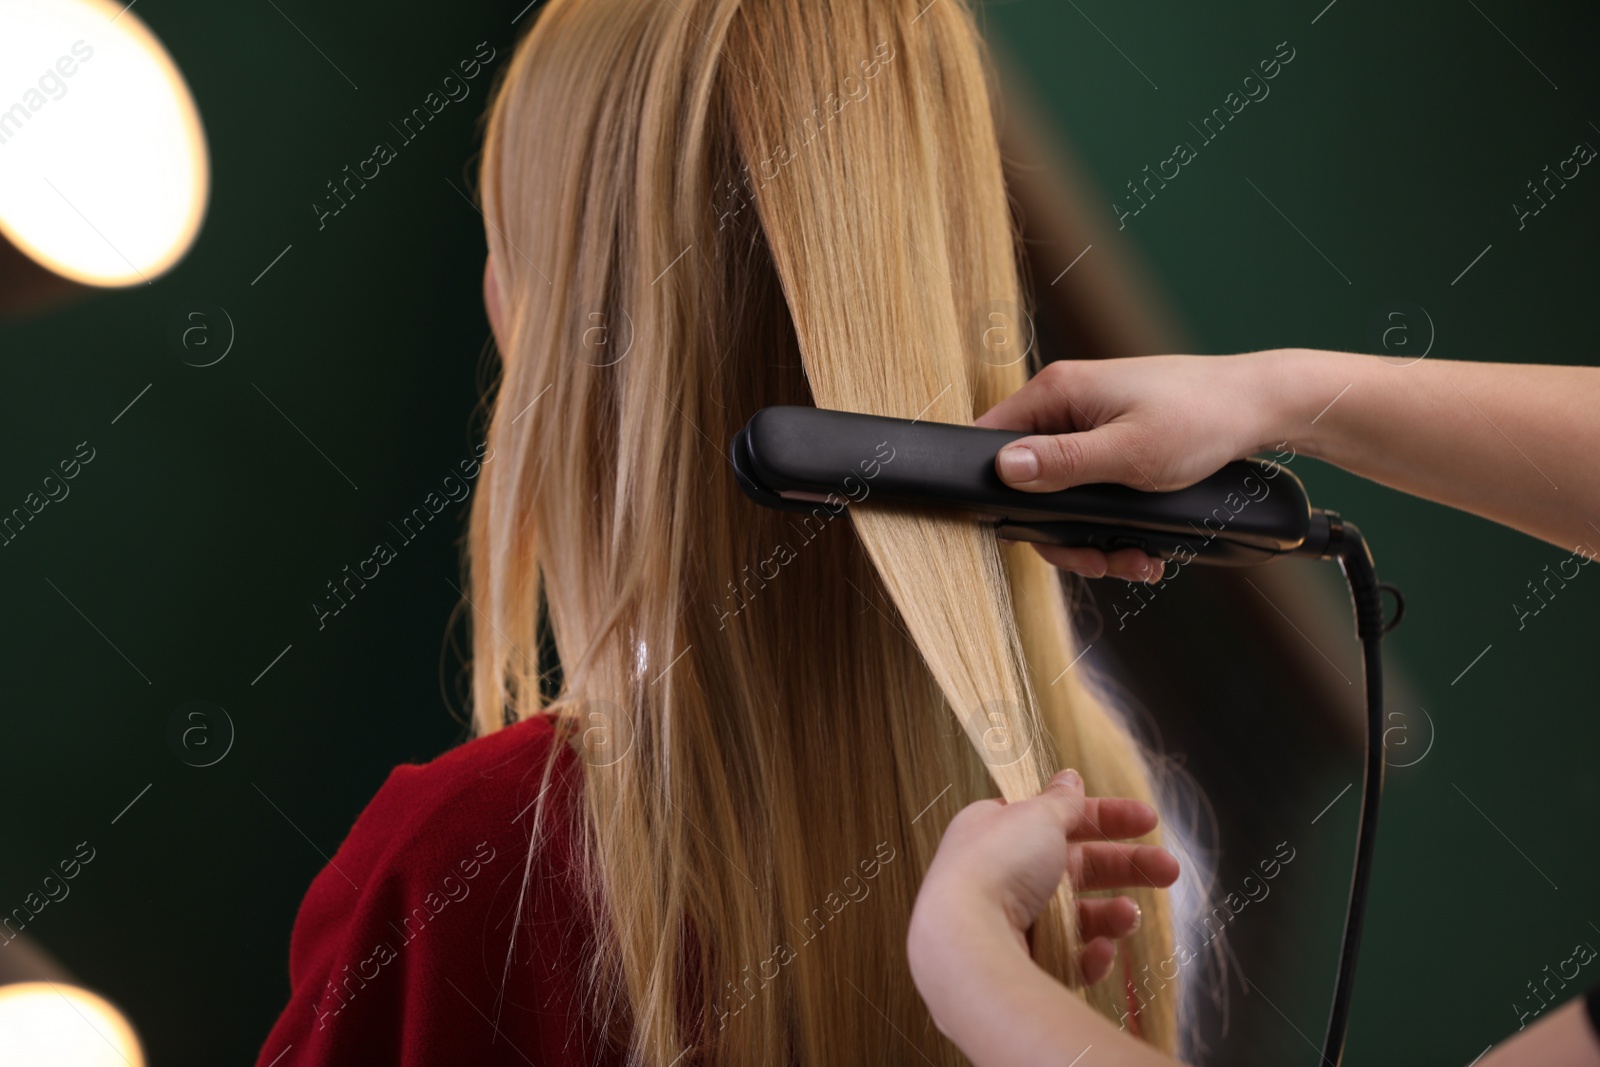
column 962, row 952
column 1298, row 389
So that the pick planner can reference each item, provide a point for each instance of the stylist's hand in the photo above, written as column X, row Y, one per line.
column 1152, row 422
column 999, row 864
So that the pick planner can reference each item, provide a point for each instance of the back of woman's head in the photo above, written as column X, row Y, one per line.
column 698, row 208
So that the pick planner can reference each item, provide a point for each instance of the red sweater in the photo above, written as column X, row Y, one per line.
column 399, row 952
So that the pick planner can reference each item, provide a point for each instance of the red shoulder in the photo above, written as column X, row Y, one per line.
column 440, row 931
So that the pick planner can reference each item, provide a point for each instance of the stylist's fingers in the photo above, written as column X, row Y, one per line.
column 1116, row 917
column 1044, row 463
column 1114, row 819
column 1095, row 819
column 1102, row 865
column 1097, row 959
column 1064, row 801
column 1129, row 564
column 1045, row 403
column 1089, row 562
column 1132, row 565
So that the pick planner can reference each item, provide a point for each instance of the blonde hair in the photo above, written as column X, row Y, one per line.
column 696, row 209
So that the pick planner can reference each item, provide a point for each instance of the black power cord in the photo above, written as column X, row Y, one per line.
column 1346, row 545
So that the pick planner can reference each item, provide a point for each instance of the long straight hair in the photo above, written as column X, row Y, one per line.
column 695, row 209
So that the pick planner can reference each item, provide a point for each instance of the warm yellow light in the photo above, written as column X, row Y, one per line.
column 47, row 1024
column 103, row 166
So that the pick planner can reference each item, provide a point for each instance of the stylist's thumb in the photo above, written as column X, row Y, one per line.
column 1048, row 462
column 1063, row 799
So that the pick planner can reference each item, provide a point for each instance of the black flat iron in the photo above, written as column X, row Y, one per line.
column 795, row 458
column 1251, row 511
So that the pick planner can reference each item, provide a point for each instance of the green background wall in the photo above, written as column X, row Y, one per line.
column 193, row 544
column 1396, row 140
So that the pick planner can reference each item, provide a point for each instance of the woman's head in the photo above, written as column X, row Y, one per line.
column 696, row 209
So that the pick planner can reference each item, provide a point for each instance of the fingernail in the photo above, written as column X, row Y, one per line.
column 1153, row 569
column 1069, row 777
column 1018, row 463
column 1138, row 917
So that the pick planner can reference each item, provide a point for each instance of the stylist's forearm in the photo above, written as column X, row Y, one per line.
column 989, row 997
column 1516, row 443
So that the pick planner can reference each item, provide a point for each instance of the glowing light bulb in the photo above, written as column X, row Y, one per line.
column 103, row 167
column 47, row 1024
